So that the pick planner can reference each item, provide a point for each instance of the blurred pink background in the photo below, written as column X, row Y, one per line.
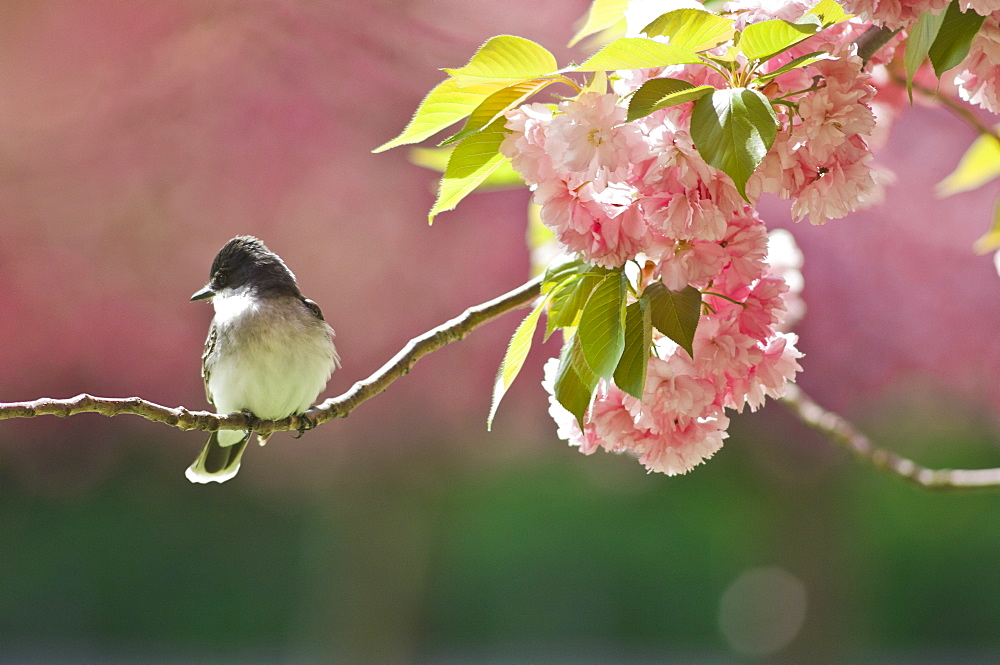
column 136, row 138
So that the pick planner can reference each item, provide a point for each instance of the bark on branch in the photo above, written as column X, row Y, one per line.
column 335, row 407
column 832, row 426
column 841, row 432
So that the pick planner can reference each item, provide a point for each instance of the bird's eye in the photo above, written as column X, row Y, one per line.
column 221, row 279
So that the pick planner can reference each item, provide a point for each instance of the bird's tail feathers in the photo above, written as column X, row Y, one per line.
column 218, row 463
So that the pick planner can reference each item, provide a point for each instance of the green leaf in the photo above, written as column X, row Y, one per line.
column 954, row 38
column 443, row 106
column 764, row 40
column 496, row 104
column 733, row 129
column 506, row 59
column 513, row 360
column 602, row 330
column 675, row 313
column 557, row 273
column 979, row 165
column 693, row 29
column 991, row 241
column 637, row 53
column 472, row 161
column 657, row 94
column 568, row 300
column 919, row 39
column 829, row 13
column 630, row 375
column 603, row 14
column 575, row 384
column 797, row 63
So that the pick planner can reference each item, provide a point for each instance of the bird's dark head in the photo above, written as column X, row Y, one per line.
column 246, row 263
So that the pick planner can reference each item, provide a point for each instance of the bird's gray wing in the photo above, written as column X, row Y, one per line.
column 206, row 368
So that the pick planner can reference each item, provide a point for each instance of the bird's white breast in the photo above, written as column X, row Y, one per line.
column 273, row 356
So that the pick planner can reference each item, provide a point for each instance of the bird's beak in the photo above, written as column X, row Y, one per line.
column 206, row 292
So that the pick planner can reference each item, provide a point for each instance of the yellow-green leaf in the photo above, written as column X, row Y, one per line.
column 597, row 82
column 761, row 41
column 801, row 61
column 601, row 15
column 496, row 104
column 637, row 53
column 693, row 29
column 436, row 159
column 505, row 59
column 979, row 165
column 443, row 106
column 991, row 241
column 513, row 360
column 472, row 161
column 829, row 13
column 539, row 238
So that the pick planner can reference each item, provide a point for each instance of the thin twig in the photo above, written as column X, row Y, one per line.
column 335, row 407
column 838, row 430
column 871, row 40
column 960, row 109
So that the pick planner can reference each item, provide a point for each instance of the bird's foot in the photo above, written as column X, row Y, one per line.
column 252, row 420
column 307, row 423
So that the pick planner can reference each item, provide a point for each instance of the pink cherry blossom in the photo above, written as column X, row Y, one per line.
column 771, row 375
column 832, row 188
column 606, row 227
column 685, row 446
column 745, row 244
column 525, row 144
column 979, row 78
column 981, row 7
column 673, row 391
column 754, row 11
column 837, row 111
column 721, row 350
column 893, row 13
column 590, row 139
column 764, row 309
column 689, row 262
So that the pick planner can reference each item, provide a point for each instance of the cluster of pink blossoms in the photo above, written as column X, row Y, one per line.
column 739, row 359
column 614, row 191
column 978, row 78
column 897, row 14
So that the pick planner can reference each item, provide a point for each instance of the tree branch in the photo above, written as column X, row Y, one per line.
column 335, row 407
column 832, row 426
column 844, row 434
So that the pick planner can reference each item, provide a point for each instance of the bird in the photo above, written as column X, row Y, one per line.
column 269, row 351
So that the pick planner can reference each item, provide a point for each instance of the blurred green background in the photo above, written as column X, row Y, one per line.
column 136, row 138
column 555, row 558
